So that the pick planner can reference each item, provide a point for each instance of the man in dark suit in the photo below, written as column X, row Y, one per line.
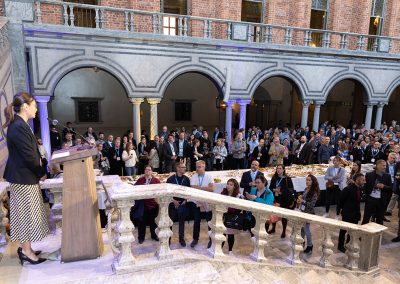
column 109, row 144
column 170, row 152
column 349, row 205
column 374, row 153
column 183, row 148
column 260, row 153
column 217, row 135
column 303, row 152
column 378, row 190
column 115, row 158
column 359, row 152
column 248, row 178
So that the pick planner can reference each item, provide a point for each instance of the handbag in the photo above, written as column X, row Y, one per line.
column 233, row 221
column 329, row 184
column 274, row 218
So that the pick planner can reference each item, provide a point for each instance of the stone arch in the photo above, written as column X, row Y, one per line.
column 348, row 76
column 215, row 75
column 392, row 87
column 62, row 68
column 287, row 74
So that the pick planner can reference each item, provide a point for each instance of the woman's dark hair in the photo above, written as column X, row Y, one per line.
column 236, row 188
column 352, row 173
column 314, row 186
column 18, row 100
column 276, row 173
column 262, row 179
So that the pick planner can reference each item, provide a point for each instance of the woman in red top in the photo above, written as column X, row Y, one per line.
column 147, row 212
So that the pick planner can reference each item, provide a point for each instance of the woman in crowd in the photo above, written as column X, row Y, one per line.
column 23, row 171
column 283, row 189
column 154, row 159
column 220, row 153
column 232, row 189
column 355, row 169
column 130, row 159
column 261, row 194
column 306, row 203
column 286, row 144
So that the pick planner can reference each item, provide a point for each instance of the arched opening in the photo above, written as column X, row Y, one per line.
column 190, row 99
column 94, row 97
column 390, row 110
column 276, row 102
column 345, row 103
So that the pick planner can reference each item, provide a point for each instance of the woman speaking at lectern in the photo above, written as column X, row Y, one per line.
column 23, row 171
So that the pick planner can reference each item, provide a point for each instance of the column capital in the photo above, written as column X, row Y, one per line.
column 382, row 104
column 153, row 101
column 230, row 103
column 136, row 101
column 370, row 104
column 243, row 102
column 318, row 103
column 42, row 99
column 306, row 103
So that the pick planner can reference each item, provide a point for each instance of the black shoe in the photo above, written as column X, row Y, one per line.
column 209, row 243
column 388, row 214
column 304, row 244
column 182, row 242
column 23, row 258
column 386, row 219
column 342, row 249
column 271, row 231
column 141, row 241
column 308, row 249
column 155, row 238
column 283, row 235
column 194, row 243
column 36, row 252
column 396, row 239
column 222, row 244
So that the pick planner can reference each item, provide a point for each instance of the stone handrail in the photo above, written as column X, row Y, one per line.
column 4, row 42
column 212, row 28
column 362, row 250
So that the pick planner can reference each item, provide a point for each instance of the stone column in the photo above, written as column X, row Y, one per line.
column 153, row 116
column 378, row 118
column 317, row 111
column 243, row 105
column 368, row 116
column 136, row 117
column 304, row 113
column 44, row 124
column 228, row 121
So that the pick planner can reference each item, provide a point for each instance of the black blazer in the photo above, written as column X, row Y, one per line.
column 378, row 156
column 246, row 179
column 386, row 192
column 167, row 150
column 349, row 203
column 305, row 155
column 23, row 164
column 264, row 156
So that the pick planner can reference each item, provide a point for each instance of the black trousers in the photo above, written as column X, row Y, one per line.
column 218, row 165
column 179, row 214
column 149, row 217
column 342, row 233
column 374, row 207
column 231, row 241
column 197, row 219
column 332, row 196
column 103, row 218
column 238, row 163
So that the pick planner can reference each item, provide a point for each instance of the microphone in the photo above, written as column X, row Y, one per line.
column 55, row 123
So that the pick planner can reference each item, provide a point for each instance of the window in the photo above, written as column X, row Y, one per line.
column 252, row 11
column 319, row 20
column 376, row 22
column 183, row 111
column 170, row 24
column 87, row 109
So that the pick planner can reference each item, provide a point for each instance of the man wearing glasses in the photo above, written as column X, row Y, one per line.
column 178, row 209
column 202, row 181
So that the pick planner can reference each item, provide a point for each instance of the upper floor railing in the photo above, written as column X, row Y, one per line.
column 112, row 18
column 362, row 249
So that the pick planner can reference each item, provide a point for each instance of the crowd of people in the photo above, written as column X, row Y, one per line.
column 179, row 150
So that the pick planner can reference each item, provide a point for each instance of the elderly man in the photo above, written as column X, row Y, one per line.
column 201, row 181
column 325, row 151
column 276, row 152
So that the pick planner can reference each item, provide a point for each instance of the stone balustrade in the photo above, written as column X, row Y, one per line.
column 111, row 18
column 362, row 250
column 4, row 41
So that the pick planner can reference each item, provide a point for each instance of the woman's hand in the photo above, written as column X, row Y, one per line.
column 43, row 178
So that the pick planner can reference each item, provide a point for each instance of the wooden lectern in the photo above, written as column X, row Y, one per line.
column 81, row 230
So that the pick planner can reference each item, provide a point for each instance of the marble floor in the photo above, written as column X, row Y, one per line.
column 195, row 266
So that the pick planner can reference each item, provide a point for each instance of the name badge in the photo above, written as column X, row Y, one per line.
column 372, row 160
column 118, row 158
column 302, row 207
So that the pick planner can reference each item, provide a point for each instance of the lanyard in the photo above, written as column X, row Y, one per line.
column 279, row 183
column 176, row 181
column 200, row 181
column 148, row 181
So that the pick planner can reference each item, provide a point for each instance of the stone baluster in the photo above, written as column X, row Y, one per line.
column 360, row 43
column 38, row 12
column 327, row 246
column 163, row 230
column 352, row 251
column 343, row 41
column 217, row 230
column 249, row 33
column 96, row 19
column 307, row 37
column 180, row 26
column 185, row 26
column 124, row 237
column 65, row 14
column 205, row 23
column 3, row 220
column 375, row 45
column 56, row 209
column 260, row 237
column 126, row 21
column 288, row 36
column 268, row 38
column 154, row 24
column 71, row 15
column 209, row 29
column 229, row 30
column 132, row 22
column 297, row 242
column 101, row 18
